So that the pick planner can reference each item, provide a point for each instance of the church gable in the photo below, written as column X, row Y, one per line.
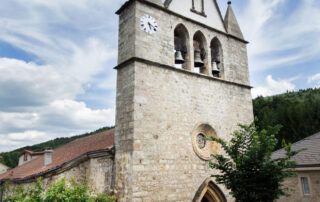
column 203, row 11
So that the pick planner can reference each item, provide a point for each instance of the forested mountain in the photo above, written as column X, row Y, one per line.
column 297, row 112
column 11, row 158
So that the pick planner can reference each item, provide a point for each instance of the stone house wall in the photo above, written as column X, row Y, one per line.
column 295, row 187
column 3, row 168
column 96, row 172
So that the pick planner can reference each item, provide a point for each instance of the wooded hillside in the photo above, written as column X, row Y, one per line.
column 297, row 112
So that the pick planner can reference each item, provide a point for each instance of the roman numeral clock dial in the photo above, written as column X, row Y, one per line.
column 148, row 24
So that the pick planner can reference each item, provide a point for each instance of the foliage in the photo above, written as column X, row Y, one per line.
column 11, row 159
column 298, row 113
column 248, row 170
column 32, row 193
column 104, row 198
column 60, row 191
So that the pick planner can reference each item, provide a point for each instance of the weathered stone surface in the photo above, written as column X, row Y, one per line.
column 295, row 187
column 3, row 168
column 96, row 172
column 159, row 106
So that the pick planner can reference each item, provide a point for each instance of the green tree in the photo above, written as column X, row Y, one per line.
column 248, row 169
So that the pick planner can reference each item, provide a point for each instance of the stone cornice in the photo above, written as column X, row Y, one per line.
column 156, row 64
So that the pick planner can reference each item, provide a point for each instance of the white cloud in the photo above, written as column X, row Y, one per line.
column 279, row 37
column 315, row 79
column 19, row 139
column 273, row 87
column 74, row 44
column 77, row 115
column 18, row 121
column 27, row 84
column 60, row 118
column 26, row 135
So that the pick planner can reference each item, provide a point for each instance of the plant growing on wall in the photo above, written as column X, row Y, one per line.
column 60, row 191
column 248, row 169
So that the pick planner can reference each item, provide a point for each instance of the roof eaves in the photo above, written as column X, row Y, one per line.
column 64, row 166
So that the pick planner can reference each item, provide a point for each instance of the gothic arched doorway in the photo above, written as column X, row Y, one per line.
column 209, row 192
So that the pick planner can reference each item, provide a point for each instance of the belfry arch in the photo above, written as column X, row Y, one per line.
column 200, row 52
column 209, row 192
column 216, row 57
column 181, row 46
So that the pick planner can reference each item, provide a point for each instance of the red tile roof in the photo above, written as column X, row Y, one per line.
column 64, row 154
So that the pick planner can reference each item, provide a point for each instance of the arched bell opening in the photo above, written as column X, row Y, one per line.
column 216, row 57
column 181, row 48
column 209, row 192
column 200, row 53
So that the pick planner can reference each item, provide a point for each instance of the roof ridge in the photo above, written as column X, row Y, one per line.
column 295, row 143
column 82, row 138
column 306, row 138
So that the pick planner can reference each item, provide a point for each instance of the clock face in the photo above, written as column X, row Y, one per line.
column 148, row 24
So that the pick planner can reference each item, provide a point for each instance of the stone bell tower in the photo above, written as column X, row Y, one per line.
column 182, row 75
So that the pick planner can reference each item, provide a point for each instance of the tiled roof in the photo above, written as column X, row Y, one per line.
column 64, row 154
column 310, row 154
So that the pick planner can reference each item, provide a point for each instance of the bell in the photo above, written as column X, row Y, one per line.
column 215, row 69
column 197, row 59
column 178, row 57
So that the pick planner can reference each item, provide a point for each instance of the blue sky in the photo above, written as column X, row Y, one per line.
column 57, row 59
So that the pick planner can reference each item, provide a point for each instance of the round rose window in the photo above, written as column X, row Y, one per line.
column 203, row 147
column 201, row 140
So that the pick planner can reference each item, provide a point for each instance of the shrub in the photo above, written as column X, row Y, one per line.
column 60, row 191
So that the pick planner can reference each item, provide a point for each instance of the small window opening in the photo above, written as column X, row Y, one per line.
column 305, row 186
column 198, row 7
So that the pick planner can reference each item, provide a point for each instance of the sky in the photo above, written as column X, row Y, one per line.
column 57, row 58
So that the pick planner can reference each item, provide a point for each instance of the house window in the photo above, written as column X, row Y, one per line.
column 25, row 157
column 305, row 186
column 198, row 7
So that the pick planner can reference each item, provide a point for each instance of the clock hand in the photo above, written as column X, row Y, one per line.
column 150, row 25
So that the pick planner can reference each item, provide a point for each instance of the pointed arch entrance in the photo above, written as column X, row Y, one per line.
column 209, row 192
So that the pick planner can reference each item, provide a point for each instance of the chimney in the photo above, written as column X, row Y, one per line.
column 48, row 155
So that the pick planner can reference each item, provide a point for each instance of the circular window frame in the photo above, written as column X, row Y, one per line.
column 210, row 147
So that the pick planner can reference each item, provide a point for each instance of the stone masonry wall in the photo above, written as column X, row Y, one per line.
column 159, row 47
column 296, row 194
column 124, row 130
column 167, row 106
column 97, row 172
column 158, row 108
